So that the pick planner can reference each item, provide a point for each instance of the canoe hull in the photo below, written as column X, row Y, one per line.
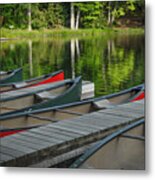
column 117, row 152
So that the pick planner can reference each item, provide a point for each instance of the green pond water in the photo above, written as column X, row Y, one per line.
column 112, row 63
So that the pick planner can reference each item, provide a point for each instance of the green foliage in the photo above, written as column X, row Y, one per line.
column 91, row 13
column 54, row 15
column 38, row 17
column 57, row 15
column 14, row 15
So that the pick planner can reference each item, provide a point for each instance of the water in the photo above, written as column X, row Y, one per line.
column 112, row 63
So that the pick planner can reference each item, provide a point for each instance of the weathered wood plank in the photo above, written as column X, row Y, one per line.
column 80, row 125
column 15, row 145
column 35, row 145
column 45, row 136
column 85, row 124
column 59, row 126
column 76, row 128
column 10, row 151
column 37, row 139
column 62, row 133
column 5, row 157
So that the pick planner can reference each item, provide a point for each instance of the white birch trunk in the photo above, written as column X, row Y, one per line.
column 72, row 16
column 77, row 19
column 109, row 13
column 29, row 18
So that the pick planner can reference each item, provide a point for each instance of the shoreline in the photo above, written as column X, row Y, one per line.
column 7, row 34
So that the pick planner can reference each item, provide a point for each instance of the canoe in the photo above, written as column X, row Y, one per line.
column 10, row 123
column 11, row 76
column 38, row 97
column 123, row 149
column 48, row 78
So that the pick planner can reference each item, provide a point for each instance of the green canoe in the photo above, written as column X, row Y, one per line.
column 11, row 76
column 39, row 97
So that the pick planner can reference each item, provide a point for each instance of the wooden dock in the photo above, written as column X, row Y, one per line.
column 51, row 142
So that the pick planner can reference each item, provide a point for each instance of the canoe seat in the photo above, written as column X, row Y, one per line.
column 19, row 84
column 44, row 96
column 102, row 104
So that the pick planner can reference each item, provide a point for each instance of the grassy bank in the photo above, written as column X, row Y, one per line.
column 17, row 33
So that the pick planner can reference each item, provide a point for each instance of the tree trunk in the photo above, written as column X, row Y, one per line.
column 72, row 16
column 29, row 18
column 77, row 19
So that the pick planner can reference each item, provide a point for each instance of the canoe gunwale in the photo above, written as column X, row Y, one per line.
column 103, row 142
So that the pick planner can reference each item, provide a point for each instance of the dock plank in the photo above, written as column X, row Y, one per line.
column 78, row 125
column 62, row 133
column 46, row 135
column 85, row 124
column 5, row 157
column 69, row 129
column 10, row 151
column 16, row 145
column 37, row 140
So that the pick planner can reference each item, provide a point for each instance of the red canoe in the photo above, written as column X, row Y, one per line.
column 49, row 78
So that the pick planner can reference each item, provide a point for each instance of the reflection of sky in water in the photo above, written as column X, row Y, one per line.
column 111, row 63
